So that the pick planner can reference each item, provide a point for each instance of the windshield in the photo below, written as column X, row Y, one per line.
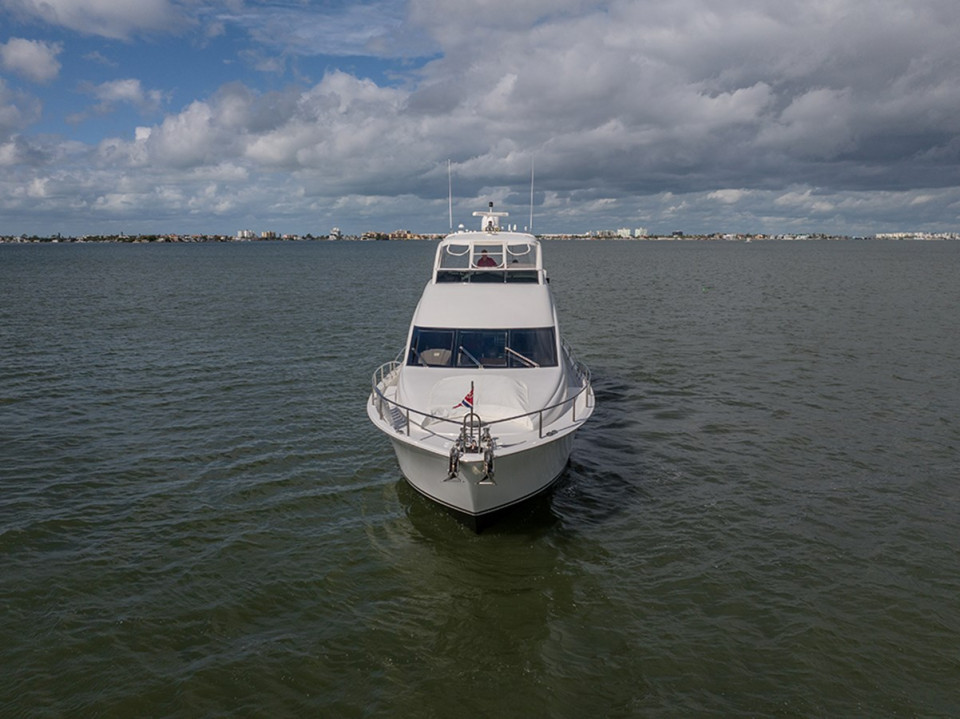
column 438, row 347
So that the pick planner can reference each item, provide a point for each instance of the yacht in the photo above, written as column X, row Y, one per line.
column 482, row 404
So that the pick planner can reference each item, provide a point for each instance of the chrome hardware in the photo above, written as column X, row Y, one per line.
column 488, row 445
column 454, row 466
column 469, row 443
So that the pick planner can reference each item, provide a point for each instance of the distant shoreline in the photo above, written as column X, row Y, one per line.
column 406, row 236
column 411, row 237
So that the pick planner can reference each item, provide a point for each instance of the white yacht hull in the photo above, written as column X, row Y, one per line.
column 517, row 476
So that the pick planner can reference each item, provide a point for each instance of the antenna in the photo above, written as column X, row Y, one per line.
column 450, row 195
column 531, row 196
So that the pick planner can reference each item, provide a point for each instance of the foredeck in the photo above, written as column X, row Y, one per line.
column 558, row 417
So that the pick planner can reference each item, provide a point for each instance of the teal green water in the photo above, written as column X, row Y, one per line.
column 760, row 519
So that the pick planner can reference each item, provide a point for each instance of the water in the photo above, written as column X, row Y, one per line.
column 761, row 518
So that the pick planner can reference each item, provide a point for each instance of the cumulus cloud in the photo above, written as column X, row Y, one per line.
column 341, row 122
column 33, row 59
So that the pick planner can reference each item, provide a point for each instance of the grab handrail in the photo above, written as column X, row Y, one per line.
column 388, row 374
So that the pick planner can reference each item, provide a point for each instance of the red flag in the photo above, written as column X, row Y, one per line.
column 467, row 400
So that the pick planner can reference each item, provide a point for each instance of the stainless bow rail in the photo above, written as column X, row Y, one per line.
column 387, row 375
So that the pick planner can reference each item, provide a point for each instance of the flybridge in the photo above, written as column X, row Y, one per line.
column 490, row 255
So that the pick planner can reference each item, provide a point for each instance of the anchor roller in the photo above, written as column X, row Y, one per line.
column 469, row 443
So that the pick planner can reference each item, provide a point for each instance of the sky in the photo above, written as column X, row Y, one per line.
column 211, row 116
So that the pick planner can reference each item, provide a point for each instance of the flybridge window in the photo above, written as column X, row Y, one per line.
column 521, row 257
column 488, row 262
column 433, row 347
column 488, row 256
column 455, row 257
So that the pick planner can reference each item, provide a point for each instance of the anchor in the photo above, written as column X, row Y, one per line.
column 488, row 446
column 464, row 443
column 454, row 467
column 467, row 443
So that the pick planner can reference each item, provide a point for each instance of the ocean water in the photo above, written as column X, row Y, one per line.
column 762, row 518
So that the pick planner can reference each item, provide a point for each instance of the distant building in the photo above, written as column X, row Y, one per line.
column 916, row 236
column 245, row 235
column 641, row 232
column 335, row 233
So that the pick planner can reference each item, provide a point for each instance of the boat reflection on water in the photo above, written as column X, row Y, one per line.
column 482, row 404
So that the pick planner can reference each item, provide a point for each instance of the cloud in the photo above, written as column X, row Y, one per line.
column 337, row 29
column 97, row 57
column 729, row 196
column 105, row 18
column 263, row 63
column 820, row 123
column 17, row 111
column 128, row 90
column 742, row 116
column 33, row 59
column 806, row 199
column 341, row 122
column 110, row 94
